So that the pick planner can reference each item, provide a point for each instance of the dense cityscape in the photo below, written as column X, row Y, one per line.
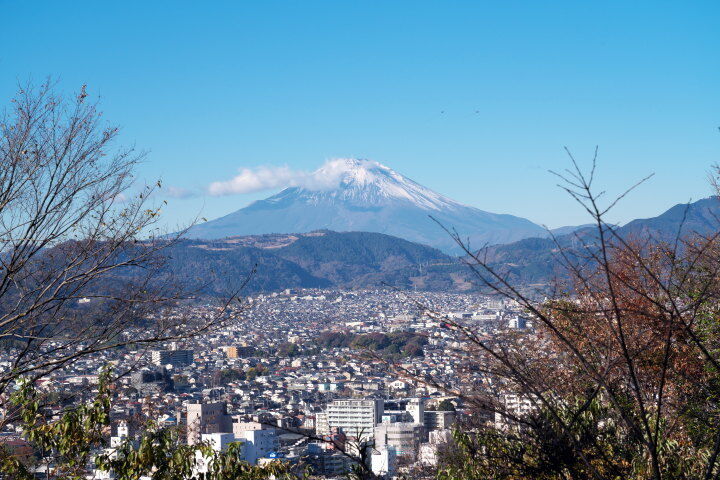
column 281, row 378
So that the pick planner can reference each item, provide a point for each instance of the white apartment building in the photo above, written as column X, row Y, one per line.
column 517, row 405
column 258, row 444
column 356, row 418
column 384, row 462
column 176, row 358
column 219, row 442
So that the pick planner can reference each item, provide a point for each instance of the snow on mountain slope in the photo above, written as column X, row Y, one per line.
column 363, row 195
column 371, row 183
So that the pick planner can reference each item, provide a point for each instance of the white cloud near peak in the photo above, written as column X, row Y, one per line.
column 261, row 178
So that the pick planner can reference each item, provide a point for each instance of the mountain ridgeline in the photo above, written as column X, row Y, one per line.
column 325, row 259
column 362, row 195
column 313, row 260
column 535, row 261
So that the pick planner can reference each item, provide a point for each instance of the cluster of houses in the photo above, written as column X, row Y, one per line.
column 262, row 380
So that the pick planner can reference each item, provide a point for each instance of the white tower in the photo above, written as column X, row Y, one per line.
column 416, row 407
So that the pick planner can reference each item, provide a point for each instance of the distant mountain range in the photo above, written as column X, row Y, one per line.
column 369, row 226
column 368, row 260
column 534, row 260
column 367, row 196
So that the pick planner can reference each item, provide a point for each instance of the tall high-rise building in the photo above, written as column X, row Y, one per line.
column 356, row 418
column 321, row 423
column 234, row 351
column 230, row 351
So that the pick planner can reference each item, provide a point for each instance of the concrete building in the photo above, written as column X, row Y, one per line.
column 239, row 426
column 219, row 443
column 233, row 351
column 230, row 352
column 260, row 440
column 438, row 419
column 123, row 432
column 336, row 439
column 322, row 427
column 205, row 418
column 416, row 408
column 151, row 382
column 383, row 462
column 429, row 453
column 404, row 437
column 517, row 405
column 325, row 461
column 258, row 444
column 356, row 418
column 176, row 358
column 517, row 322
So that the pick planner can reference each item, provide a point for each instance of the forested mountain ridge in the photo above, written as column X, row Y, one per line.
column 323, row 259
column 536, row 260
column 313, row 260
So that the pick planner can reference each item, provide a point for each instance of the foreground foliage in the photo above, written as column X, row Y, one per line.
column 75, row 443
column 620, row 377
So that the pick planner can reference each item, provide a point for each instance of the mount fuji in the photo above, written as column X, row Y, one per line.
column 363, row 195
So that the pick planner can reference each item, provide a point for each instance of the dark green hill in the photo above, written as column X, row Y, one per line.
column 313, row 260
column 349, row 257
column 357, row 260
column 214, row 269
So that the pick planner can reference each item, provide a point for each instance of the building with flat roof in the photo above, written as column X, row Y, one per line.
column 176, row 358
column 404, row 437
column 438, row 419
column 356, row 418
column 206, row 418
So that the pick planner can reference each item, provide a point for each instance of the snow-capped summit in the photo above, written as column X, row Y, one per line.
column 371, row 183
column 364, row 195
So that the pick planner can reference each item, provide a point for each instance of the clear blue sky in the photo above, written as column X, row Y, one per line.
column 473, row 99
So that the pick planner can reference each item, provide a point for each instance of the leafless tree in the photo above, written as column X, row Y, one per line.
column 81, row 255
column 620, row 377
